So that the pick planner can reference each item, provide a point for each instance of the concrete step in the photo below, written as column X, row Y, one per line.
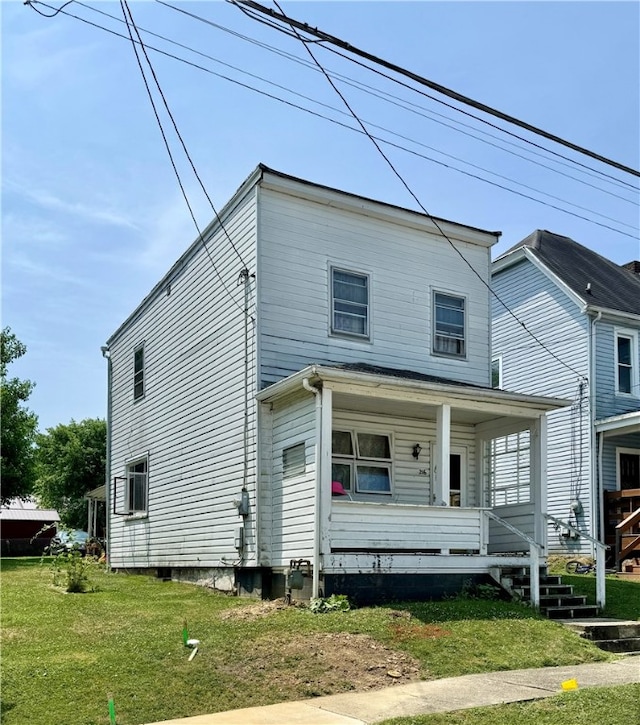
column 612, row 635
column 630, row 644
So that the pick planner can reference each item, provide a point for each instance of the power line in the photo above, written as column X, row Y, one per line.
column 356, row 130
column 400, row 103
column 325, row 37
column 126, row 11
column 417, row 200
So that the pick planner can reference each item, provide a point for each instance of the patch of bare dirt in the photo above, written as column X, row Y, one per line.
column 326, row 663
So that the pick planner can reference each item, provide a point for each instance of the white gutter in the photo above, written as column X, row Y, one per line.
column 315, row 585
column 461, row 392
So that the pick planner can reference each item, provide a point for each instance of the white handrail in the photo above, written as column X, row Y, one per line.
column 535, row 550
column 601, row 589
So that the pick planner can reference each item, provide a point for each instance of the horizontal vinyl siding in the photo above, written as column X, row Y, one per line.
column 608, row 402
column 300, row 240
column 191, row 419
column 409, row 484
column 292, row 499
column 527, row 368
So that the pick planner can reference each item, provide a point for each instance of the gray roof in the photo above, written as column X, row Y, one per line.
column 611, row 286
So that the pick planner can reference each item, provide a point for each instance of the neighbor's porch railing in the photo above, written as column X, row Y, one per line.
column 600, row 557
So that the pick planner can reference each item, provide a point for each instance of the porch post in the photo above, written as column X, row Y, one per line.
column 538, row 467
column 443, row 448
column 324, row 481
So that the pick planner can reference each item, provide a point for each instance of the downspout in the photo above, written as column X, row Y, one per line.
column 597, row 513
column 106, row 354
column 315, row 585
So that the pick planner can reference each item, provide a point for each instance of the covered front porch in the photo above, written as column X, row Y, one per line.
column 421, row 477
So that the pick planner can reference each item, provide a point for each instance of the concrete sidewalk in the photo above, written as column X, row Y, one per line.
column 419, row 698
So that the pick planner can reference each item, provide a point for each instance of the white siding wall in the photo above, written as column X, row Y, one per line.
column 191, row 419
column 608, row 402
column 528, row 368
column 300, row 240
column 291, row 525
column 410, row 484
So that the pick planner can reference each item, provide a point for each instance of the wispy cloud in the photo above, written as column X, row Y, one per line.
column 47, row 200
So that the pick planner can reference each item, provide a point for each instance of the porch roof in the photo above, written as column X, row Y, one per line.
column 619, row 424
column 411, row 393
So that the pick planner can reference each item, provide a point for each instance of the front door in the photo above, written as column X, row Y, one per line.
column 458, row 477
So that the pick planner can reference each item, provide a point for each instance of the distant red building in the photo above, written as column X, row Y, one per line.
column 21, row 528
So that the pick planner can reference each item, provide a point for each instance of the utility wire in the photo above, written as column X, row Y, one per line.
column 396, row 101
column 31, row 4
column 351, row 128
column 129, row 19
column 417, row 200
column 325, row 37
column 179, row 135
column 345, row 113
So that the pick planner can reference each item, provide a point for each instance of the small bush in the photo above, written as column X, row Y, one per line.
column 71, row 571
column 334, row 603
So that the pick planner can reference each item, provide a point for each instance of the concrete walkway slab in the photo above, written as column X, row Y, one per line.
column 417, row 698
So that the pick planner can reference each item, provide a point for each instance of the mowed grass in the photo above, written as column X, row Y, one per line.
column 616, row 705
column 64, row 655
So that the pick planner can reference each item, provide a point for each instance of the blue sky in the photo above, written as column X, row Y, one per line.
column 92, row 215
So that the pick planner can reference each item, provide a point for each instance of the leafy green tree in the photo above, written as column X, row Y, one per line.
column 70, row 462
column 19, row 424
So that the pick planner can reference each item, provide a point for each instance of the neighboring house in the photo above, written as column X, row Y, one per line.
column 309, row 390
column 586, row 311
column 26, row 529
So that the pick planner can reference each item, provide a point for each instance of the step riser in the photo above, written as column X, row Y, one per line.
column 619, row 645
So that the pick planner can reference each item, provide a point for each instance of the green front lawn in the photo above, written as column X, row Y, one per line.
column 602, row 705
column 64, row 655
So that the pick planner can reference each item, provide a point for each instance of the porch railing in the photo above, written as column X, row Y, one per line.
column 601, row 549
column 535, row 553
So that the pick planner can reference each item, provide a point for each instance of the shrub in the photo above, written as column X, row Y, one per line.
column 334, row 603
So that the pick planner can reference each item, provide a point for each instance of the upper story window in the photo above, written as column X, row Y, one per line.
column 349, row 303
column 138, row 372
column 496, row 372
column 293, row 461
column 361, row 462
column 626, row 349
column 449, row 325
column 137, row 486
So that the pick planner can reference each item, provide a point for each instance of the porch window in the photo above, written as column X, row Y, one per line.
column 508, row 469
column 449, row 325
column 137, row 486
column 627, row 362
column 349, row 303
column 362, row 461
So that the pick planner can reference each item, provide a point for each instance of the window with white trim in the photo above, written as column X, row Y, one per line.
column 449, row 327
column 138, row 372
column 349, row 303
column 293, row 461
column 137, row 486
column 626, row 361
column 361, row 461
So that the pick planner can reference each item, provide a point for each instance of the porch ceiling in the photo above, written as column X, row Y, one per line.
column 409, row 409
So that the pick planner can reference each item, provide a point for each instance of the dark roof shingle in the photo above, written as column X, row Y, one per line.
column 596, row 279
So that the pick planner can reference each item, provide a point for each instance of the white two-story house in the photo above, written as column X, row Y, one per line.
column 585, row 310
column 305, row 400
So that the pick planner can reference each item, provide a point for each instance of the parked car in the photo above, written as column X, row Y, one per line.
column 66, row 541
